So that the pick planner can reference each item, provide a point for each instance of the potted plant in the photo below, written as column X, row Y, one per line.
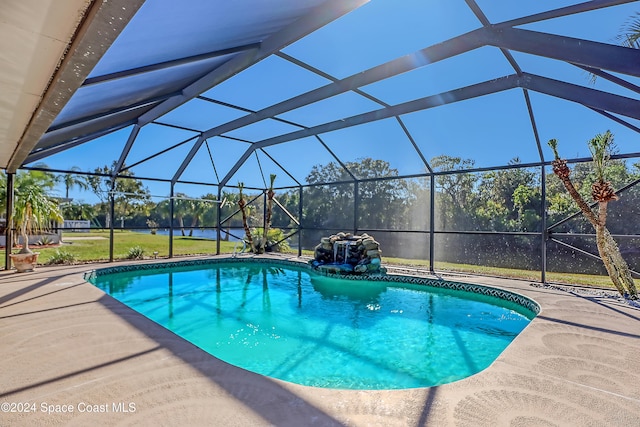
column 33, row 211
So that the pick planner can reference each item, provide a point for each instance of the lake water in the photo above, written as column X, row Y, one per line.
column 205, row 234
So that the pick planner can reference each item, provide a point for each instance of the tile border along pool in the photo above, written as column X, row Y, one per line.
column 73, row 355
column 521, row 300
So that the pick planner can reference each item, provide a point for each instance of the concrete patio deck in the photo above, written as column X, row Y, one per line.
column 66, row 346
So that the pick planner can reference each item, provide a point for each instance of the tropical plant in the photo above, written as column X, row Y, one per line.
column 198, row 209
column 61, row 256
column 209, row 216
column 267, row 222
column 276, row 241
column 71, row 180
column 129, row 194
column 33, row 208
column 135, row 252
column 630, row 33
column 227, row 213
column 242, row 204
column 628, row 36
column 601, row 192
column 44, row 241
column 181, row 208
column 78, row 211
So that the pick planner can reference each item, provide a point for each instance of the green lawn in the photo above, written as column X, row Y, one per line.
column 94, row 246
column 568, row 278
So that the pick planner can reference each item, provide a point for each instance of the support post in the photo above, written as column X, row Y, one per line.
column 264, row 219
column 432, row 220
column 9, row 225
column 356, row 204
column 112, row 210
column 219, row 215
column 171, row 208
column 300, row 193
column 543, row 225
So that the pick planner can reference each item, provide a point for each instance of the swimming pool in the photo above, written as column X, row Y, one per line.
column 285, row 321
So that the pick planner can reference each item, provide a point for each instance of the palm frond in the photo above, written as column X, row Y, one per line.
column 629, row 36
column 600, row 147
column 553, row 143
column 630, row 32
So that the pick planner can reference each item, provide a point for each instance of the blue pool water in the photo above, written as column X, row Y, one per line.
column 292, row 324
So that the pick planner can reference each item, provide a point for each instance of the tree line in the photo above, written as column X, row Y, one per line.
column 507, row 200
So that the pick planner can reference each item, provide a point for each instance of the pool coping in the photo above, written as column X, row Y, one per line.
column 65, row 342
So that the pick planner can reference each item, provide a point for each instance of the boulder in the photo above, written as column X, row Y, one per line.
column 346, row 253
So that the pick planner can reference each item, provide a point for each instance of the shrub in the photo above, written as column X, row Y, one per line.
column 135, row 252
column 45, row 240
column 274, row 235
column 61, row 256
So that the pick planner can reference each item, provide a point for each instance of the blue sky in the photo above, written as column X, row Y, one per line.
column 491, row 130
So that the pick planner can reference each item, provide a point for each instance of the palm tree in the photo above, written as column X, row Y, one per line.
column 267, row 222
column 78, row 211
column 71, row 181
column 198, row 209
column 33, row 212
column 242, row 204
column 630, row 35
column 3, row 191
column 33, row 208
column 162, row 211
column 181, row 208
column 603, row 193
